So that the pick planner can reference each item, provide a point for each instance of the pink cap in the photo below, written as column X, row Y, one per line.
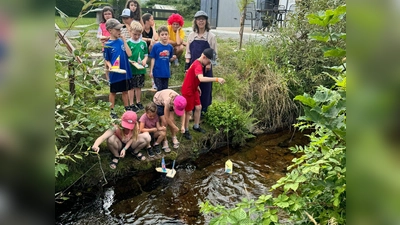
column 129, row 120
column 179, row 105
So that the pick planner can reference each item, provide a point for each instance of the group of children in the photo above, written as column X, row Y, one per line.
column 128, row 47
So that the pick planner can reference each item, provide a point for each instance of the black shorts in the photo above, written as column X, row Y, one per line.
column 138, row 80
column 121, row 86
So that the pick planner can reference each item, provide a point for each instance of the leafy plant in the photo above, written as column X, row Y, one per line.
column 78, row 117
column 314, row 189
column 228, row 118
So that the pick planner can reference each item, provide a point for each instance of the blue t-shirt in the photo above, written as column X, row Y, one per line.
column 161, row 54
column 113, row 49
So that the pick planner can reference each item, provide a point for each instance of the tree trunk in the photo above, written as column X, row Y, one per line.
column 242, row 19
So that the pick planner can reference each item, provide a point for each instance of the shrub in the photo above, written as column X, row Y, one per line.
column 228, row 118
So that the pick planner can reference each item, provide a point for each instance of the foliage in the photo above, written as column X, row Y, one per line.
column 228, row 118
column 292, row 52
column 314, row 189
column 77, row 118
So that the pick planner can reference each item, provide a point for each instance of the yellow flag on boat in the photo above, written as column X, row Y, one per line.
column 115, row 66
column 228, row 166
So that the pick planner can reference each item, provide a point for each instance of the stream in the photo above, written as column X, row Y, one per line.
column 152, row 198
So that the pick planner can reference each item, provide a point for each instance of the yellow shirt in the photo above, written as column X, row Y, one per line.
column 172, row 34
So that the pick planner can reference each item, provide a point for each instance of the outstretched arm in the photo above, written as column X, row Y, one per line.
column 210, row 79
column 102, row 138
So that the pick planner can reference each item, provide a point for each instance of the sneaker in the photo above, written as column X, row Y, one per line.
column 113, row 115
column 158, row 149
column 134, row 108
column 187, row 135
column 199, row 129
column 150, row 152
column 139, row 106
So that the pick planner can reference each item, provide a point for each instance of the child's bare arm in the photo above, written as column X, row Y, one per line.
column 143, row 129
column 108, row 64
column 151, row 67
column 102, row 138
column 210, row 79
column 144, row 61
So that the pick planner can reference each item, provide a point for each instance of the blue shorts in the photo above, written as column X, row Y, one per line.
column 160, row 110
column 161, row 83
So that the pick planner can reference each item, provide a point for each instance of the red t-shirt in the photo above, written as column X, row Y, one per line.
column 191, row 82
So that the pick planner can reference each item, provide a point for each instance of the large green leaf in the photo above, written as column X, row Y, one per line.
column 306, row 100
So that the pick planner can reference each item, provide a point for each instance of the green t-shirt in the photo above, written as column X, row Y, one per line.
column 139, row 51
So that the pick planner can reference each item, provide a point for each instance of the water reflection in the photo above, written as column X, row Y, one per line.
column 256, row 168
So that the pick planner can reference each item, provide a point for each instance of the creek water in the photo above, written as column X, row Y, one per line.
column 153, row 198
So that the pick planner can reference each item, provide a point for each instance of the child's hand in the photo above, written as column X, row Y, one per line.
column 96, row 148
column 144, row 63
column 122, row 154
column 151, row 74
column 221, row 80
column 183, row 129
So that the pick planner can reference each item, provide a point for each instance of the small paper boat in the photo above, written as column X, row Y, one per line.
column 228, row 166
column 170, row 172
column 115, row 67
column 137, row 65
column 117, row 71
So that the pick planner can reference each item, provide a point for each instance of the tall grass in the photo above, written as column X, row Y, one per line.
column 254, row 84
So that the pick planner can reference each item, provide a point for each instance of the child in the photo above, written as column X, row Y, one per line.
column 167, row 101
column 149, row 122
column 127, row 20
column 102, row 33
column 149, row 35
column 120, row 139
column 176, row 34
column 117, row 49
column 136, row 12
column 190, row 89
column 139, row 54
column 161, row 55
